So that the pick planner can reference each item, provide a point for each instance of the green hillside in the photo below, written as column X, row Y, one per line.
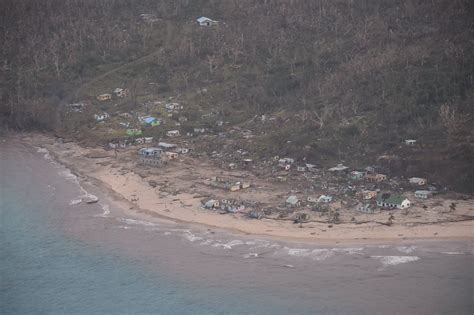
column 335, row 80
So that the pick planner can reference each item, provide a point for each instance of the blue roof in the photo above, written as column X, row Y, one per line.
column 149, row 119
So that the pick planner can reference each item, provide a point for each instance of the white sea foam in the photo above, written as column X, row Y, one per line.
column 298, row 252
column 395, row 260
column 167, row 233
column 75, row 202
column 348, row 250
column 46, row 155
column 207, row 242
column 105, row 209
column 318, row 254
column 452, row 253
column 406, row 249
column 258, row 243
column 251, row 255
column 229, row 245
column 136, row 222
column 67, row 174
column 192, row 238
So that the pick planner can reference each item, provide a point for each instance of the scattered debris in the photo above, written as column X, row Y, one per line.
column 119, row 92
column 339, row 168
column 367, row 208
column 375, row 177
column 211, row 204
column 101, row 117
column 254, row 214
column 417, row 181
column 104, row 97
column 325, row 199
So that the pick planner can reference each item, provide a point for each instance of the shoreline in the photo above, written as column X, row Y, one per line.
column 184, row 207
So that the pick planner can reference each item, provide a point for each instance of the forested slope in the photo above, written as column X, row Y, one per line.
column 346, row 80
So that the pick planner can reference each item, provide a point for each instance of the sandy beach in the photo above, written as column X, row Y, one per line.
column 175, row 192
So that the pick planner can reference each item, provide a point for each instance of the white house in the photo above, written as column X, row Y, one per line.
column 423, row 194
column 325, row 199
column 410, row 142
column 204, row 21
column 392, row 201
column 101, row 117
column 173, row 133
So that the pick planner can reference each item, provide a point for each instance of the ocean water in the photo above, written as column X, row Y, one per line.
column 62, row 256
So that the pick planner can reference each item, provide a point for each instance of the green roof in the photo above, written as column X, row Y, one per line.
column 391, row 199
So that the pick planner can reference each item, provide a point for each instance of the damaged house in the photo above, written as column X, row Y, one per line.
column 150, row 156
column 211, row 204
column 417, row 181
column 325, row 199
column 367, row 208
column 293, row 202
column 356, row 175
column 104, row 97
column 119, row 92
column 368, row 194
column 238, row 186
column 423, row 194
column 375, row 178
column 101, row 117
column 171, row 155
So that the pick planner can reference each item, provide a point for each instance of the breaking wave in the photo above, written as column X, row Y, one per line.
column 395, row 260
column 106, row 210
column 75, row 202
column 136, row 222
column 317, row 254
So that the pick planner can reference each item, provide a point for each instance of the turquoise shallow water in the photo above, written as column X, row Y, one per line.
column 59, row 257
column 43, row 270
